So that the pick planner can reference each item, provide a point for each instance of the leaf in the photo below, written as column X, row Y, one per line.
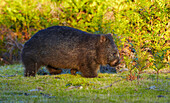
column 152, row 87
column 75, row 87
column 159, row 96
column 34, row 90
column 37, row 89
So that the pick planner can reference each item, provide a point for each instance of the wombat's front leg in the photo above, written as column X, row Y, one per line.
column 89, row 71
column 89, row 74
column 54, row 71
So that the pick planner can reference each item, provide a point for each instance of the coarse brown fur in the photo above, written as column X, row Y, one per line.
column 66, row 47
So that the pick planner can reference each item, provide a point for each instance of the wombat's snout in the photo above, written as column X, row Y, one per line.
column 116, row 61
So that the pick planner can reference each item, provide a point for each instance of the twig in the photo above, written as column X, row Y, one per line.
column 109, row 85
column 9, row 75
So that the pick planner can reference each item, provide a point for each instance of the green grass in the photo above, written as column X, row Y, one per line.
column 66, row 88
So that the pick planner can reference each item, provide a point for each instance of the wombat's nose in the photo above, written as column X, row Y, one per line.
column 118, row 61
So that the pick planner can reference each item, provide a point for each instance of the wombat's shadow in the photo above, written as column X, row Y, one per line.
column 103, row 69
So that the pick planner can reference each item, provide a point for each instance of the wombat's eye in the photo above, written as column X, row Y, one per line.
column 114, row 53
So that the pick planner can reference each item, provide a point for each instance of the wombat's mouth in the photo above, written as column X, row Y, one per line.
column 115, row 62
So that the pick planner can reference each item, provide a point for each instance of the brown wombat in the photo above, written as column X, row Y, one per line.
column 66, row 47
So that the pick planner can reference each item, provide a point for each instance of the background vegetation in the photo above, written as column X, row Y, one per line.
column 140, row 27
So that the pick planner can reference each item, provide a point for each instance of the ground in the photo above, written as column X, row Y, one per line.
column 64, row 88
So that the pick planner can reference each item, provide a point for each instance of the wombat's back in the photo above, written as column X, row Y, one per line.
column 60, row 37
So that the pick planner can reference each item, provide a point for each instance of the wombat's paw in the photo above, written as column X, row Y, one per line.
column 89, row 76
column 73, row 71
column 29, row 74
column 55, row 72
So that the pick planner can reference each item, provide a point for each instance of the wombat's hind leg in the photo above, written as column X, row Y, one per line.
column 53, row 71
column 31, row 69
column 73, row 71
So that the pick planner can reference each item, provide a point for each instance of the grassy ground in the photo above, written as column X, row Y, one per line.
column 68, row 88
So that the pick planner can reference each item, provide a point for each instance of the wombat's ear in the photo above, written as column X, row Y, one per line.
column 102, row 38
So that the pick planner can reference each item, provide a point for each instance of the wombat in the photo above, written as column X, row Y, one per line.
column 65, row 47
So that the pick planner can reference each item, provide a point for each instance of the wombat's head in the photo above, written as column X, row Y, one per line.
column 108, row 52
